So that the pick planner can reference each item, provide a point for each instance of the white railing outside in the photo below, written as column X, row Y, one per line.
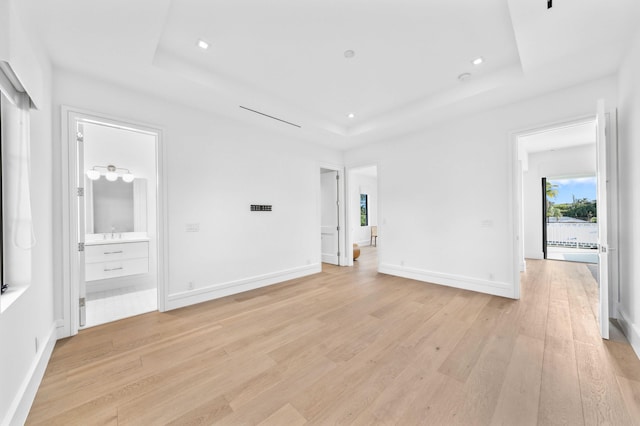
column 578, row 235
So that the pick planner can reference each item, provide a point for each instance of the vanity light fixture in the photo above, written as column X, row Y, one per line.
column 351, row 115
column 203, row 44
column 112, row 173
column 477, row 61
column 93, row 174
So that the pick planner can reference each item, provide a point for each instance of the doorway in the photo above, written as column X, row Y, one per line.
column 115, row 215
column 330, row 215
column 552, row 151
column 120, row 218
column 363, row 214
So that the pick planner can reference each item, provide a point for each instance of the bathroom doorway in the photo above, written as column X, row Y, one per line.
column 120, row 220
column 115, row 216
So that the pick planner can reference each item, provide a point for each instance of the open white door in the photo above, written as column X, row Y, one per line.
column 603, row 246
column 329, row 214
column 82, row 284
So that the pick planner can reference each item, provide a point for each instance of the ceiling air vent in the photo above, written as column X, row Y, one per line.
column 270, row 116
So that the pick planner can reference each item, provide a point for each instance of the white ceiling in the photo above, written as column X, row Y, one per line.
column 286, row 57
column 559, row 138
column 369, row 171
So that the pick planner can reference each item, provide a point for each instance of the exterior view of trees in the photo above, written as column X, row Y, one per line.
column 581, row 208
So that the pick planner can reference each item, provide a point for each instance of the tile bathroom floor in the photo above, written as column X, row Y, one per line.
column 119, row 303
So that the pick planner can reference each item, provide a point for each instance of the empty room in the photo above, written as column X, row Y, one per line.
column 337, row 212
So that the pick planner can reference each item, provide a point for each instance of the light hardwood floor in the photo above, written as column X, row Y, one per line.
column 350, row 346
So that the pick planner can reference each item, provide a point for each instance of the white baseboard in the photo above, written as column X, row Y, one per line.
column 467, row 283
column 21, row 404
column 536, row 256
column 62, row 329
column 630, row 330
column 204, row 294
column 330, row 258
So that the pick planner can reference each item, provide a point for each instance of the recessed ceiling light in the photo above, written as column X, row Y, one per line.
column 478, row 61
column 351, row 115
column 464, row 76
column 349, row 54
column 203, row 44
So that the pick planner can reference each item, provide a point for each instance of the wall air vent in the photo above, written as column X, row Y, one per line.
column 270, row 116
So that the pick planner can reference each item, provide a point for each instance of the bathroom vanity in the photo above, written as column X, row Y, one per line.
column 113, row 258
column 116, row 241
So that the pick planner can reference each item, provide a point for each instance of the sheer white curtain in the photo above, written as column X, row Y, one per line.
column 18, row 232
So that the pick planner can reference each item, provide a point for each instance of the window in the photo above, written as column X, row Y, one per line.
column 17, row 230
column 364, row 210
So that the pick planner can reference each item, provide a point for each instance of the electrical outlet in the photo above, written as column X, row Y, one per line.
column 191, row 285
column 402, row 263
column 192, row 227
column 37, row 345
column 491, row 276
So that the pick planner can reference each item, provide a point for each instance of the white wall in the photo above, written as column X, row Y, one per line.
column 217, row 168
column 137, row 152
column 31, row 316
column 629, row 153
column 447, row 196
column 361, row 184
column 577, row 161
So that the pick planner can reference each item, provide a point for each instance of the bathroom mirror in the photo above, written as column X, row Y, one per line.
column 115, row 206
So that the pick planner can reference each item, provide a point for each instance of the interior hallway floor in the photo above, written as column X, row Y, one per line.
column 352, row 346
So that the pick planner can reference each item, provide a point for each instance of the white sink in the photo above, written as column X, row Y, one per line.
column 115, row 238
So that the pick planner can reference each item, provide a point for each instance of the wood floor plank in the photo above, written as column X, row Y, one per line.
column 560, row 400
column 350, row 345
column 463, row 358
column 631, row 394
column 287, row 415
column 520, row 394
column 623, row 359
column 602, row 401
column 205, row 414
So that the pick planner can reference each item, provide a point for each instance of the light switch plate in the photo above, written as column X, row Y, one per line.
column 193, row 227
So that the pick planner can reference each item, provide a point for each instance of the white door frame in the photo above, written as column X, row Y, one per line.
column 70, row 279
column 351, row 205
column 516, row 199
column 343, row 258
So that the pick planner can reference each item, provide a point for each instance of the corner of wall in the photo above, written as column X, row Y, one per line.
column 631, row 331
column 21, row 404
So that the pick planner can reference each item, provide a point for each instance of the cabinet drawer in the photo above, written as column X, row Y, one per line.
column 119, row 251
column 113, row 269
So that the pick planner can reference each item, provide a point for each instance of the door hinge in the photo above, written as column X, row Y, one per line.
column 337, row 228
column 80, row 192
column 337, row 176
column 79, row 137
column 80, row 246
column 338, row 254
column 82, row 311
